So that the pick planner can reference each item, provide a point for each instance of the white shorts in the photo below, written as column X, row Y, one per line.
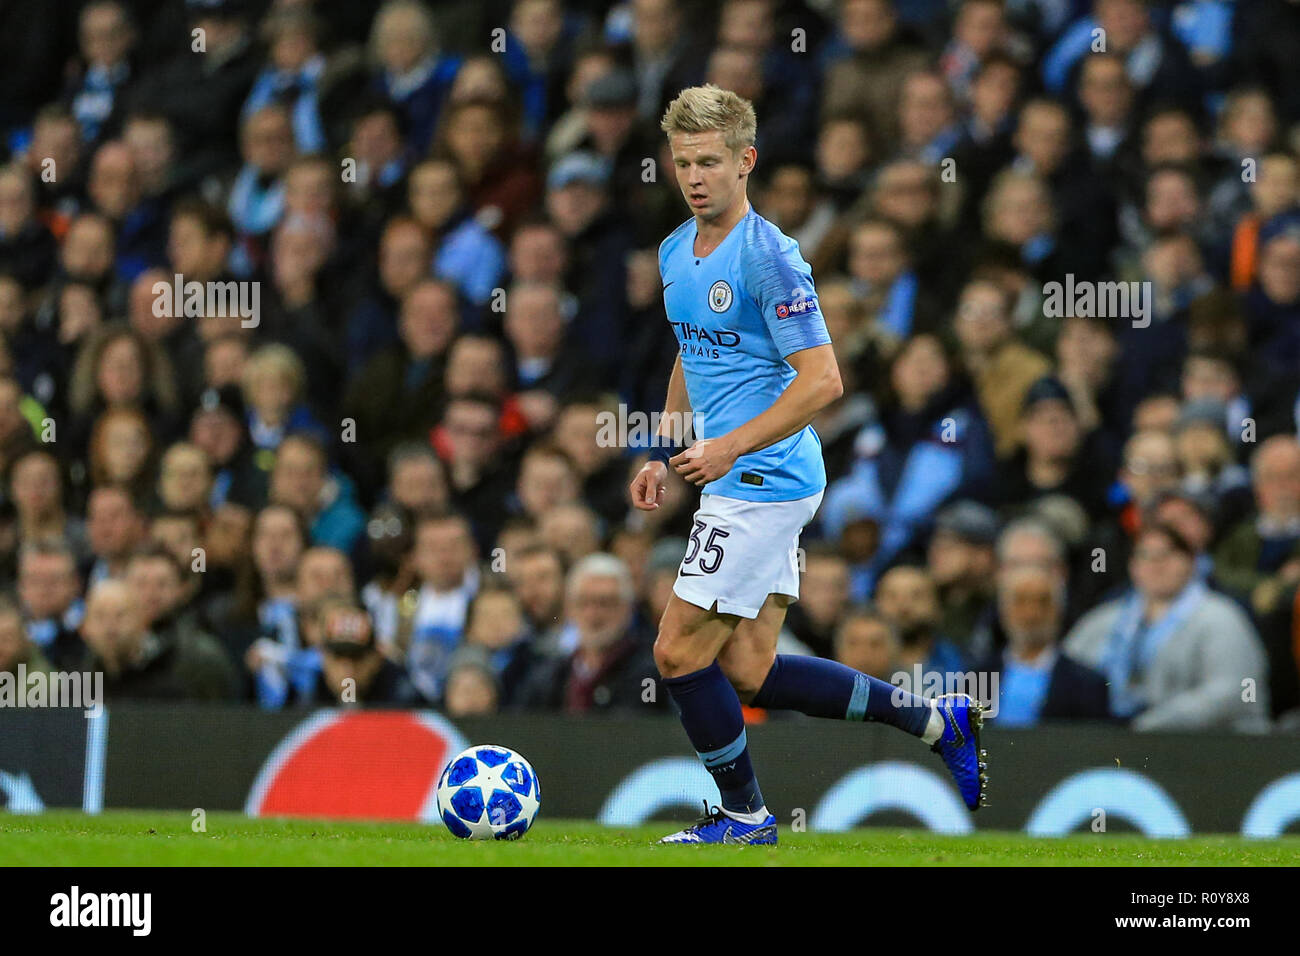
column 742, row 551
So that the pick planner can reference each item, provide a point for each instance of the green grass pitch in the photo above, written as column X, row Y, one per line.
column 165, row 838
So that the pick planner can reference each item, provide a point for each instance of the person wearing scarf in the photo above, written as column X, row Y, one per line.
column 1175, row 654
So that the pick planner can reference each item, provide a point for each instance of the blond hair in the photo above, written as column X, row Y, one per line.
column 704, row 109
column 273, row 359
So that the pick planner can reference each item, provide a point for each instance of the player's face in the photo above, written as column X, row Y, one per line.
column 711, row 177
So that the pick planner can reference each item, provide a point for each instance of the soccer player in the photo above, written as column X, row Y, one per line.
column 755, row 366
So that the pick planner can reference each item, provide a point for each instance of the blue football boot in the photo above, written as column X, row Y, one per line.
column 960, row 747
column 716, row 827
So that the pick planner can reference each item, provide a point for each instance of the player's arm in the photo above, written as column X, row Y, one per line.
column 648, row 485
column 816, row 384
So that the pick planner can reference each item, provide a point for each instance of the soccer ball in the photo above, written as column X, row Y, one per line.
column 489, row 792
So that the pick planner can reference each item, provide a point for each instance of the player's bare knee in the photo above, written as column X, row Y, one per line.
column 672, row 653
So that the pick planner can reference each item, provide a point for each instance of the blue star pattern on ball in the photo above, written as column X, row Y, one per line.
column 488, row 792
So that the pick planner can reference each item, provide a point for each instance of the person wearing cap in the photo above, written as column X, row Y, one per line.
column 1207, row 460
column 613, row 133
column 1055, row 456
column 961, row 560
column 201, row 92
column 578, row 201
column 353, row 671
column 218, row 428
column 1175, row 654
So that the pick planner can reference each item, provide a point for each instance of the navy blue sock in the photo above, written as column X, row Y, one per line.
column 822, row 688
column 710, row 712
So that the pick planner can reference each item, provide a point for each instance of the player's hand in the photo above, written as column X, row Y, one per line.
column 648, row 486
column 707, row 460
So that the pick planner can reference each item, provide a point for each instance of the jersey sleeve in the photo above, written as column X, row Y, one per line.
column 780, row 283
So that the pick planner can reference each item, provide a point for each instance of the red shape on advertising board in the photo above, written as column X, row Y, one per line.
column 377, row 765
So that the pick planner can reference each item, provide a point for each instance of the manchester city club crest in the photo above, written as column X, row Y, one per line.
column 720, row 296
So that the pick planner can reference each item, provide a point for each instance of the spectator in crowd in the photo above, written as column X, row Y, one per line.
column 36, row 489
column 257, row 193
column 184, row 479
column 929, row 443
column 908, row 599
column 960, row 558
column 293, row 75
column 201, row 95
column 611, row 667
column 106, row 37
column 27, row 249
column 495, row 623
column 823, row 599
column 1055, row 454
column 472, row 689
column 467, row 254
column 1001, row 368
column 264, row 605
column 17, row 650
column 453, row 254
column 403, row 261
column 1035, row 681
column 1027, row 541
column 1260, row 555
column 286, row 666
column 397, row 395
column 1175, row 655
column 301, row 479
column 115, row 526
column 1280, row 631
column 218, row 428
column 410, row 68
column 425, row 630
column 352, row 670
column 867, row 63
column 141, row 664
column 866, row 641
column 537, row 576
column 49, row 592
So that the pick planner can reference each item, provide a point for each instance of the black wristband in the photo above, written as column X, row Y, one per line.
column 662, row 453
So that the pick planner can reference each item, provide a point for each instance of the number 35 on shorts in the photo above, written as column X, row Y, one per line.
column 705, row 552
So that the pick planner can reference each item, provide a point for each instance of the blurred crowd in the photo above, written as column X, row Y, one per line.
column 312, row 314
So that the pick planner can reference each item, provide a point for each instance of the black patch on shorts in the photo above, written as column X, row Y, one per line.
column 749, row 478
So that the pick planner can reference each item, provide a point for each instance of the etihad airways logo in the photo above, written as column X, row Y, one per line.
column 697, row 340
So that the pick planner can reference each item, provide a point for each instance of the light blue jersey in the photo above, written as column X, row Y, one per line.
column 737, row 313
